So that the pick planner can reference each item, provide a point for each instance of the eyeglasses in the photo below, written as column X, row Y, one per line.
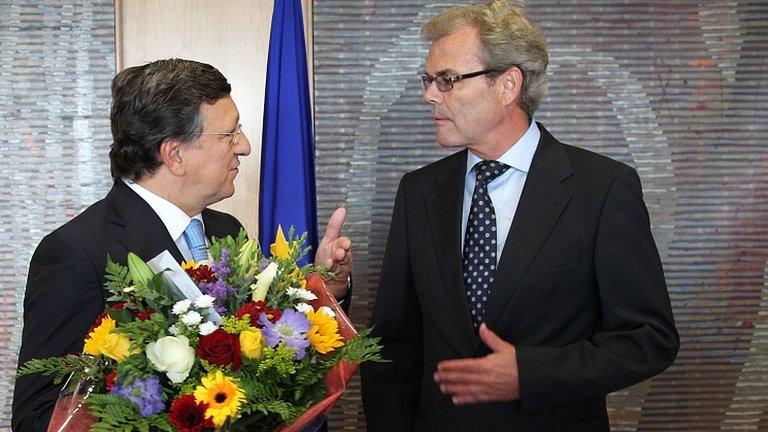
column 234, row 134
column 445, row 82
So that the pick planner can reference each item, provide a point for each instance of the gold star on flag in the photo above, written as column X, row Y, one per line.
column 280, row 248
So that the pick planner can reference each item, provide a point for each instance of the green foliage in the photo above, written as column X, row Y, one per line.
column 277, row 385
column 232, row 244
column 134, row 366
column 139, row 331
column 118, row 414
column 151, row 292
column 361, row 349
column 156, row 293
column 82, row 367
column 234, row 325
column 117, row 277
column 277, row 362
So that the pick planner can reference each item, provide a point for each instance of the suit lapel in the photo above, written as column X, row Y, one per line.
column 214, row 227
column 143, row 231
column 543, row 199
column 444, row 205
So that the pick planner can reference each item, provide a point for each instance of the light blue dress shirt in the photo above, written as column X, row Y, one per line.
column 174, row 218
column 506, row 189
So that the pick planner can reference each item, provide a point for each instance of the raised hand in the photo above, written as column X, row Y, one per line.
column 334, row 252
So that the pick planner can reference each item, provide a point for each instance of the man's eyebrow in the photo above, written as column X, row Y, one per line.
column 442, row 72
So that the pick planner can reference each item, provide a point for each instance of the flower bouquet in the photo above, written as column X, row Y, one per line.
column 258, row 344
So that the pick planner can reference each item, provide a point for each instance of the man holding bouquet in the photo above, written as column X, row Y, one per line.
column 177, row 144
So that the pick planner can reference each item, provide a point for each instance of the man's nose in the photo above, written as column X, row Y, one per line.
column 243, row 145
column 432, row 94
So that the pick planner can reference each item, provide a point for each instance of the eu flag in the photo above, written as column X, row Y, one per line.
column 287, row 190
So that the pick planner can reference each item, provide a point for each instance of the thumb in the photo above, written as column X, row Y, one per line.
column 335, row 222
column 491, row 339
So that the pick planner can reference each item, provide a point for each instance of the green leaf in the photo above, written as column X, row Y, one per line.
column 116, row 413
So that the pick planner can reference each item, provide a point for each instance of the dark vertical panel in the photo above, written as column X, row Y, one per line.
column 676, row 89
column 56, row 64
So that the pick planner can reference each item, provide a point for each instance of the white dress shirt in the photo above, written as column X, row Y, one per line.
column 174, row 219
column 506, row 189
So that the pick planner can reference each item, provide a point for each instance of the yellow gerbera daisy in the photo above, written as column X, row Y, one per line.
column 324, row 334
column 103, row 341
column 222, row 395
column 186, row 265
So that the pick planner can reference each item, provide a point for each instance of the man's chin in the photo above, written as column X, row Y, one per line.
column 226, row 193
column 449, row 141
column 450, row 144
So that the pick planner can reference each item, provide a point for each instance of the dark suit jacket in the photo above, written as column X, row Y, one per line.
column 579, row 291
column 65, row 285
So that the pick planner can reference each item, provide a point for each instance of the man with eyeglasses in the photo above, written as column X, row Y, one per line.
column 176, row 150
column 521, row 283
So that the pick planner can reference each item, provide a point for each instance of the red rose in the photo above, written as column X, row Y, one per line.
column 220, row 348
column 118, row 306
column 189, row 416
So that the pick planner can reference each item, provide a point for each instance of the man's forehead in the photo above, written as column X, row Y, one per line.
column 223, row 110
column 447, row 61
column 455, row 51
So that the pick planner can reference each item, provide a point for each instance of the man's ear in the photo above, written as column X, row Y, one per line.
column 512, row 85
column 172, row 156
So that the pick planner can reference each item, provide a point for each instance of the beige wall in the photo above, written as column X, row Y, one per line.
column 232, row 35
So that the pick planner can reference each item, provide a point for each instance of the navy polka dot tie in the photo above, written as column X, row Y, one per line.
column 480, row 240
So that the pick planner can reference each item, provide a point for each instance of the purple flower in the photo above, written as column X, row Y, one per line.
column 221, row 267
column 219, row 289
column 146, row 393
column 291, row 329
column 263, row 264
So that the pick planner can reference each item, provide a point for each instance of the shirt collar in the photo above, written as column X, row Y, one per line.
column 520, row 155
column 174, row 219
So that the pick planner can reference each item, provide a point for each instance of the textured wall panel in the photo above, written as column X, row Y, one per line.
column 675, row 89
column 56, row 64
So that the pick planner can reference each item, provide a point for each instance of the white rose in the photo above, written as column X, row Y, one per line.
column 207, row 328
column 172, row 355
column 204, row 301
column 263, row 281
column 191, row 318
column 181, row 306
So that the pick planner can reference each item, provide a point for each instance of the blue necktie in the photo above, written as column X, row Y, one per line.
column 480, row 240
column 195, row 238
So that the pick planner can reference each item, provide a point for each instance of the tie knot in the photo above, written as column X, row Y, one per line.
column 195, row 227
column 195, row 237
column 487, row 170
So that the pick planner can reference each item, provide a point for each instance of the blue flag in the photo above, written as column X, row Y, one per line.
column 287, row 191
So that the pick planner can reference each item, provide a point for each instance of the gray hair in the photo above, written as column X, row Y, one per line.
column 508, row 37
